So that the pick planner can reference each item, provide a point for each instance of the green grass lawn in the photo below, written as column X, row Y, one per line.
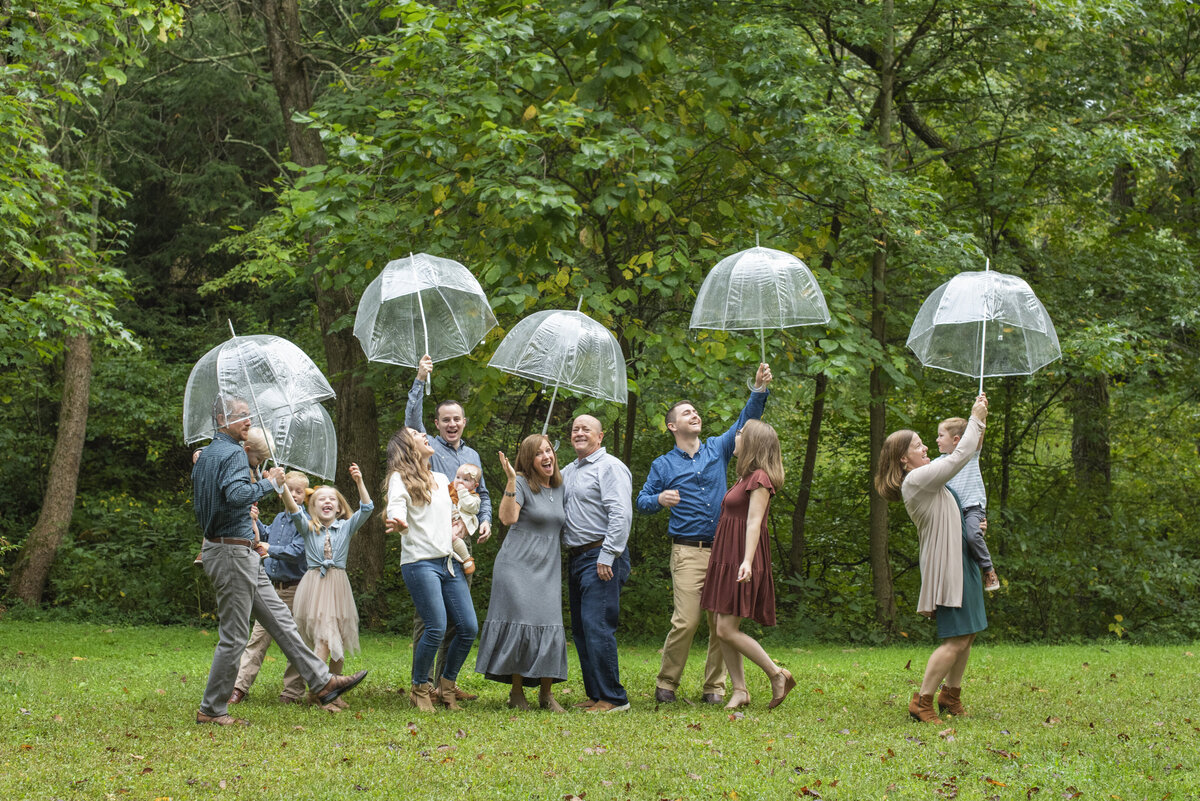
column 103, row 712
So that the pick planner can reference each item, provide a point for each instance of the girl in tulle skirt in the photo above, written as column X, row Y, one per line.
column 324, row 606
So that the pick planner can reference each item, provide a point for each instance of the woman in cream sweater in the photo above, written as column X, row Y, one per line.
column 419, row 507
column 951, row 587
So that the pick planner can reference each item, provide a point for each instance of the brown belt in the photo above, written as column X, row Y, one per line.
column 578, row 549
column 284, row 585
column 234, row 541
column 692, row 543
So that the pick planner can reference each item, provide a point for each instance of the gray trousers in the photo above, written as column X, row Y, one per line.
column 243, row 589
column 974, row 515
column 256, row 651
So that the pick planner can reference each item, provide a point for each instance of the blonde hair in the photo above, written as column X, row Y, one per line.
column 473, row 472
column 295, row 476
column 343, row 512
column 760, row 451
column 955, row 426
column 258, row 444
column 890, row 473
column 526, row 454
column 414, row 469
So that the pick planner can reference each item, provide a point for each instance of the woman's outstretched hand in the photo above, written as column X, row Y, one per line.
column 508, row 468
column 980, row 410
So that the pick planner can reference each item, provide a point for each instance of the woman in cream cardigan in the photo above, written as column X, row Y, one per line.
column 951, row 587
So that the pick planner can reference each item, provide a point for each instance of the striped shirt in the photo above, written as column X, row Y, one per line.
column 968, row 484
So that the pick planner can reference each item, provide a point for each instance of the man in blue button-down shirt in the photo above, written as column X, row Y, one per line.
column 222, row 495
column 598, row 490
column 690, row 480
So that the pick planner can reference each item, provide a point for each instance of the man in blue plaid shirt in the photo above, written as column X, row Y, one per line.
column 223, row 492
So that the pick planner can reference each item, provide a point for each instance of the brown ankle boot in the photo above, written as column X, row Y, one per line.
column 421, row 696
column 447, row 694
column 921, row 709
column 949, row 703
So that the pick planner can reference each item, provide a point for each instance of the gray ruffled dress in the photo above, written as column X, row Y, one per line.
column 523, row 633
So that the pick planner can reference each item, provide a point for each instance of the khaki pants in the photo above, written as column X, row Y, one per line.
column 688, row 566
column 256, row 651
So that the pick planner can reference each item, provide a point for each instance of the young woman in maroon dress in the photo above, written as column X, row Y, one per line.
column 738, row 583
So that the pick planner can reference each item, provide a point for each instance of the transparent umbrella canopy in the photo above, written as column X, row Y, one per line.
column 305, row 440
column 272, row 375
column 422, row 304
column 756, row 289
column 982, row 324
column 566, row 349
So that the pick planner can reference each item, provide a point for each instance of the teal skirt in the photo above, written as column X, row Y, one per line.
column 970, row 618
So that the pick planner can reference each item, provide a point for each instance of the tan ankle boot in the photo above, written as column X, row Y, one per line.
column 949, row 703
column 421, row 696
column 448, row 696
column 921, row 709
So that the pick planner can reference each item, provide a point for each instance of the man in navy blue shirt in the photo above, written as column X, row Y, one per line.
column 222, row 495
column 690, row 480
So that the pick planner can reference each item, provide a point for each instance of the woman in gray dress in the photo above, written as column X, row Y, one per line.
column 523, row 639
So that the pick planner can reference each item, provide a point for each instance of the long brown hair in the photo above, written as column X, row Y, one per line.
column 890, row 473
column 414, row 469
column 526, row 454
column 760, row 451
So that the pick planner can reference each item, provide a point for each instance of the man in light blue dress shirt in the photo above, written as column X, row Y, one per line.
column 690, row 480
column 599, row 506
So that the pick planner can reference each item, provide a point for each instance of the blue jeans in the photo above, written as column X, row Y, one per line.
column 595, row 612
column 439, row 596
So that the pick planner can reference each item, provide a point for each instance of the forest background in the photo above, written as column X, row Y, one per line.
column 167, row 168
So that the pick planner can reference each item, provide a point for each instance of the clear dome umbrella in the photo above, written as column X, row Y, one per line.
column 272, row 375
column 984, row 324
column 422, row 304
column 568, row 350
column 756, row 289
column 304, row 440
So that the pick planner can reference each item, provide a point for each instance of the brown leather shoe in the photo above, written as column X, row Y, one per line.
column 338, row 685
column 949, row 703
column 463, row 695
column 287, row 699
column 664, row 696
column 588, row 704
column 221, row 720
column 237, row 696
column 712, row 698
column 608, row 706
column 421, row 696
column 921, row 709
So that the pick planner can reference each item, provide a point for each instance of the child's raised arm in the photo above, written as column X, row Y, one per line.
column 289, row 502
column 364, row 498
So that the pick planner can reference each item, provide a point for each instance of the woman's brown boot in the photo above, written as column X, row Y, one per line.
column 921, row 709
column 421, row 696
column 949, row 703
column 448, row 697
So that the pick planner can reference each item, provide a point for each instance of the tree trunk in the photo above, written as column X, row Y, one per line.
column 1090, row 450
column 58, row 503
column 881, row 568
column 356, row 415
column 798, row 558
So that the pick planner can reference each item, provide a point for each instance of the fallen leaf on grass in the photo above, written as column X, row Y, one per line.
column 1071, row 792
column 147, row 769
column 221, row 784
column 596, row 749
column 804, row 791
column 695, row 726
column 947, row 735
column 79, row 659
column 737, row 715
column 693, row 777
column 996, row 783
column 447, row 748
column 58, row 718
column 461, row 734
column 1050, row 721
column 908, row 665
